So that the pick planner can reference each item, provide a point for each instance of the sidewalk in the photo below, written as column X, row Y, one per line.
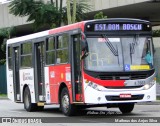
column 3, row 98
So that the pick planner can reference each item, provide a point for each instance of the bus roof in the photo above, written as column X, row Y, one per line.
column 66, row 28
column 47, row 32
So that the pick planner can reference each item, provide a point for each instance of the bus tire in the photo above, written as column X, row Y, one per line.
column 28, row 106
column 67, row 108
column 126, row 107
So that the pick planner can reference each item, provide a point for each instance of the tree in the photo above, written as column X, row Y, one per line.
column 74, row 11
column 100, row 15
column 69, row 12
column 5, row 34
column 77, row 13
column 37, row 11
column 60, row 11
column 47, row 14
column 156, row 33
column 73, row 19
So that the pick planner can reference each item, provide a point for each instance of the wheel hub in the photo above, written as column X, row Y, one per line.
column 65, row 102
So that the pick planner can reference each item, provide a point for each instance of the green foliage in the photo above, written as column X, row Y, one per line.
column 3, row 45
column 156, row 33
column 3, row 95
column 2, row 61
column 46, row 14
column 100, row 15
column 22, row 7
column 37, row 11
column 5, row 34
column 81, row 8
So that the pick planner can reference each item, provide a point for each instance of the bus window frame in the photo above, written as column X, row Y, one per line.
column 56, row 41
column 29, row 54
column 52, row 50
column 10, row 68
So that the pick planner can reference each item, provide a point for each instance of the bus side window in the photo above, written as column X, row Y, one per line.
column 10, row 58
column 50, row 51
column 26, row 54
column 62, row 49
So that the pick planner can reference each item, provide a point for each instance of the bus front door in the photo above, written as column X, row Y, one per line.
column 39, row 71
column 76, row 68
column 16, row 81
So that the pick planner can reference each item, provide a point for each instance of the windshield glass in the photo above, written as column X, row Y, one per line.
column 119, row 53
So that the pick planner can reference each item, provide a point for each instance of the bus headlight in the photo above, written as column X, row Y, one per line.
column 148, row 86
column 95, row 86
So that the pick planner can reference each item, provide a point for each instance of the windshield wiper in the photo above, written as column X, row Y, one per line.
column 110, row 46
column 132, row 46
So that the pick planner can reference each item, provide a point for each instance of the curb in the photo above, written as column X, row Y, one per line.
column 4, row 98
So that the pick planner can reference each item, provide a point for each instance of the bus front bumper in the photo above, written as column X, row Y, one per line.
column 93, row 96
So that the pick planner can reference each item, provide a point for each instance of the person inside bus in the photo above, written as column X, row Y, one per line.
column 149, row 58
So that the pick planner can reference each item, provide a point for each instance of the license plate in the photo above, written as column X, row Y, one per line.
column 125, row 96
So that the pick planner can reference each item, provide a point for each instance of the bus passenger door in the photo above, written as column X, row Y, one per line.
column 16, row 81
column 39, row 71
column 76, row 68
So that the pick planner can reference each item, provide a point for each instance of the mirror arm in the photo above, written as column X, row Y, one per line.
column 84, row 36
column 84, row 55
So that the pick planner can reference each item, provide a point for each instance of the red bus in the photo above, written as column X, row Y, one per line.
column 90, row 63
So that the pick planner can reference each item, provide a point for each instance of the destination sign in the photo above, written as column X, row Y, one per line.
column 117, row 27
column 100, row 27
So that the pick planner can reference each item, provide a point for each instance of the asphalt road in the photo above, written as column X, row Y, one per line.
column 158, row 89
column 96, row 116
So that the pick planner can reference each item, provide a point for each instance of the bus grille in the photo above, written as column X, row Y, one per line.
column 125, row 87
column 117, row 98
column 123, row 77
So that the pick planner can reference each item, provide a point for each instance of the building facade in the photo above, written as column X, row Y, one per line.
column 143, row 9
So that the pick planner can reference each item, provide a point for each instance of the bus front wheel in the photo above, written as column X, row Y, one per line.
column 28, row 106
column 67, row 108
column 126, row 107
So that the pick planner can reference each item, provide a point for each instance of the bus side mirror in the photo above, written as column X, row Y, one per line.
column 84, row 45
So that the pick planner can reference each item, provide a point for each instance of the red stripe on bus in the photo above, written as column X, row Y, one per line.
column 105, row 83
column 67, row 27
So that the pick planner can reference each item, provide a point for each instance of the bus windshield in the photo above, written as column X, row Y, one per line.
column 117, row 53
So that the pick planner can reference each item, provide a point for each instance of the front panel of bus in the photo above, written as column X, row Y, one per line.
column 119, row 64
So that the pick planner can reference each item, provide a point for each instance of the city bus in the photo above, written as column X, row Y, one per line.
column 94, row 63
